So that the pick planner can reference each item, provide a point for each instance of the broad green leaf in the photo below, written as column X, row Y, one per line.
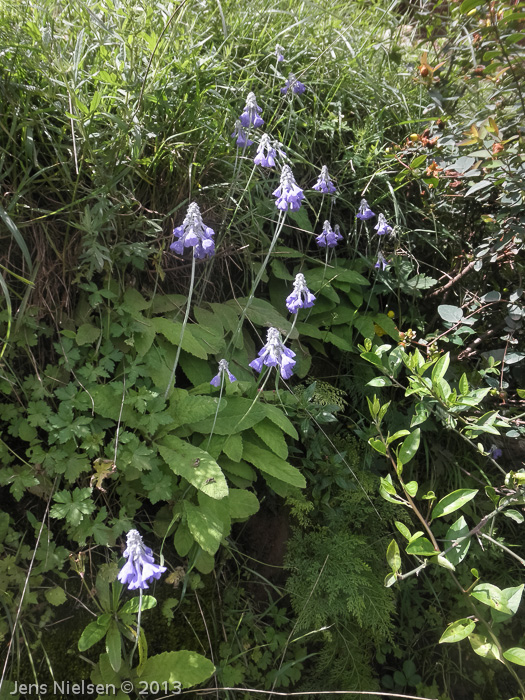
column 515, row 655
column 457, row 531
column 133, row 605
column 242, row 503
column 468, row 5
column 453, row 501
column 114, row 646
column 87, row 334
column 239, row 414
column 206, row 527
column 186, row 667
column 232, row 447
column 272, row 436
column 94, row 632
column 393, row 556
column 185, row 408
column 269, row 463
column 451, row 314
column 172, row 331
column 409, row 447
column 457, row 631
column 195, row 465
column 56, row 596
column 277, row 416
column 183, row 540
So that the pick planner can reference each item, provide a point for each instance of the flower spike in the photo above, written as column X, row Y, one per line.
column 140, row 568
column 301, row 297
column 194, row 234
column 223, row 369
column 274, row 354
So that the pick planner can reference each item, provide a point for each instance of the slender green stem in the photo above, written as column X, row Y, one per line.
column 138, row 630
column 186, row 315
column 280, row 224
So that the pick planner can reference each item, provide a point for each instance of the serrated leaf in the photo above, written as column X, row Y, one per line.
column 87, row 334
column 242, row 503
column 172, row 331
column 238, row 415
column 272, row 437
column 56, row 596
column 453, row 501
column 206, row 527
column 269, row 463
column 457, row 631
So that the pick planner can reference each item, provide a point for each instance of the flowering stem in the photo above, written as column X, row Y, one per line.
column 216, row 410
column 280, row 224
column 186, row 315
column 138, row 630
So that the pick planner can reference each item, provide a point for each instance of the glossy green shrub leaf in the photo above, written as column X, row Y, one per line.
column 454, row 501
column 411, row 488
column 515, row 655
column 482, row 646
column 409, row 447
column 490, row 595
column 421, row 547
column 456, row 532
column 393, row 556
column 451, row 314
column 457, row 631
column 511, row 599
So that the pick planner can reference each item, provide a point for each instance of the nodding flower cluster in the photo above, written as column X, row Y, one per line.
column 140, row 568
column 289, row 194
column 324, row 184
column 223, row 369
column 296, row 86
column 301, row 297
column 274, row 354
column 194, row 234
column 267, row 152
column 329, row 237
